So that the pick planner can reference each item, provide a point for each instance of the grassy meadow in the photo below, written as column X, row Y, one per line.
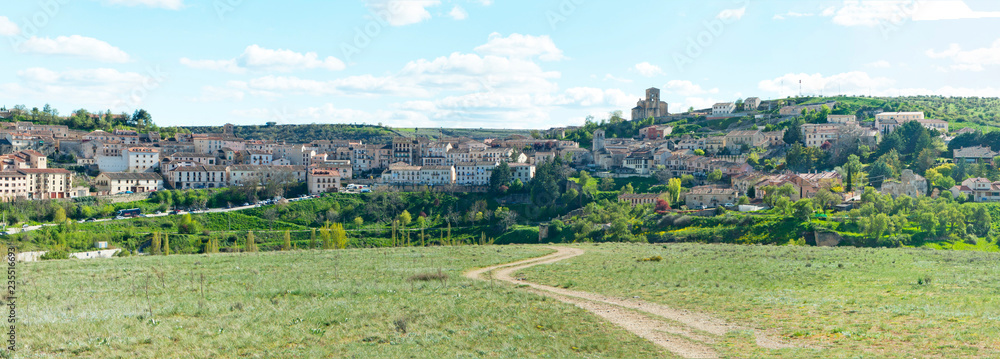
column 831, row 302
column 364, row 303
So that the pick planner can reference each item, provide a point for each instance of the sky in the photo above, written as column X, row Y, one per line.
column 479, row 63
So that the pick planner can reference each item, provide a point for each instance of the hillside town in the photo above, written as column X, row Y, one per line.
column 129, row 162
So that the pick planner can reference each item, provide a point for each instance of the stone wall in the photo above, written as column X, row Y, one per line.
column 828, row 239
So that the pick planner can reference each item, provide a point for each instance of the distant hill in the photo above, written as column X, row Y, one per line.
column 366, row 133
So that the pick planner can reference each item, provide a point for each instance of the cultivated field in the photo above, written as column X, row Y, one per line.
column 336, row 304
column 828, row 302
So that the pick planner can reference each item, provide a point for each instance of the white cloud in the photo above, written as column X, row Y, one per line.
column 214, row 65
column 458, row 13
column 521, row 46
column 484, row 2
column 648, row 69
column 329, row 113
column 402, row 12
column 792, row 14
column 258, row 58
column 76, row 45
column 610, row 77
column 86, row 88
column 881, row 64
column 894, row 12
column 972, row 60
column 732, row 14
column 219, row 94
column 816, row 84
column 687, row 88
column 7, row 27
column 162, row 4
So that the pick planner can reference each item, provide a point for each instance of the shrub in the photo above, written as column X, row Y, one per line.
column 55, row 254
column 651, row 259
column 427, row 277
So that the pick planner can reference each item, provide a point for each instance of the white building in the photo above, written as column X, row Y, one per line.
column 122, row 182
column 723, row 108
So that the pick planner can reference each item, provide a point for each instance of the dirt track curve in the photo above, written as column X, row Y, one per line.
column 685, row 333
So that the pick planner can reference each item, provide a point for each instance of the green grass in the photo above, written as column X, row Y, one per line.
column 832, row 302
column 309, row 304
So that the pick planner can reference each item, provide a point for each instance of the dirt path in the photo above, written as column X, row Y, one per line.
column 682, row 332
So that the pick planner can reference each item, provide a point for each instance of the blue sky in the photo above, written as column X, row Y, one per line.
column 479, row 63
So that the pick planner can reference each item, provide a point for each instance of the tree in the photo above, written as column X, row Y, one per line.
column 784, row 205
column 674, row 187
column 358, row 222
column 59, row 216
column 251, row 243
column 854, row 168
column 662, row 207
column 155, row 245
column 824, row 199
column 287, row 244
column 981, row 221
column 312, row 239
column 699, row 152
column 628, row 188
column 926, row 159
column 500, row 178
column 743, row 200
column 793, row 134
column 715, row 176
column 880, row 171
column 166, row 244
column 404, row 218
column 945, row 182
column 607, row 184
column 338, row 236
column 803, row 209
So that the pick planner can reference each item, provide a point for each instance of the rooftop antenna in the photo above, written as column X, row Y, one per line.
column 800, row 88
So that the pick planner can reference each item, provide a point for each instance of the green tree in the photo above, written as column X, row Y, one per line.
column 358, row 222
column 981, row 221
column 674, row 187
column 803, row 209
column 339, row 236
column 404, row 218
column 607, row 184
column 628, row 188
column 251, row 243
column 312, row 239
column 699, row 152
column 287, row 244
column 824, row 199
column 715, row 176
column 166, row 244
column 854, row 168
column 59, row 216
column 500, row 178
column 926, row 159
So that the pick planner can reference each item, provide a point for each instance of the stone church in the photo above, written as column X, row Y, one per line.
column 650, row 107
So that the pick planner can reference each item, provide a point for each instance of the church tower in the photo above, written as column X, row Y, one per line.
column 598, row 140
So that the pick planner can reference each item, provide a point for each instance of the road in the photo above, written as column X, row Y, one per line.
column 685, row 333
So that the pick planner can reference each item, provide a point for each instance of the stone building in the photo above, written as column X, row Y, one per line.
column 909, row 184
column 650, row 107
